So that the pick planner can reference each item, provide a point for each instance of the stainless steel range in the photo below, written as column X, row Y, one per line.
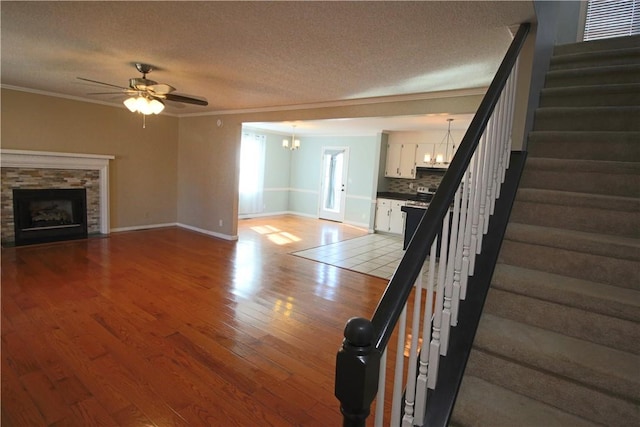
column 422, row 198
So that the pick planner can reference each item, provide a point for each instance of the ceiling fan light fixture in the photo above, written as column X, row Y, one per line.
column 145, row 106
column 131, row 104
column 156, row 106
column 142, row 105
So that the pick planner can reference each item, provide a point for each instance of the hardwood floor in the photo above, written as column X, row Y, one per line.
column 168, row 327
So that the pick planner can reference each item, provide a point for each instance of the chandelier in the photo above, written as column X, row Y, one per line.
column 437, row 157
column 294, row 144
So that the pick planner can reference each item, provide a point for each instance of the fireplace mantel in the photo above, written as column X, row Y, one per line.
column 55, row 160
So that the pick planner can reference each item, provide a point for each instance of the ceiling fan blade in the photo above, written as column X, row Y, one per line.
column 101, row 83
column 105, row 93
column 186, row 99
column 160, row 89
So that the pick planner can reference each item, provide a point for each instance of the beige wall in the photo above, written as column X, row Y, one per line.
column 143, row 176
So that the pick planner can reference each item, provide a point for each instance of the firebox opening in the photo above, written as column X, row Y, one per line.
column 47, row 215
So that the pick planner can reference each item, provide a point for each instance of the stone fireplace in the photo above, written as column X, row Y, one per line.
column 37, row 170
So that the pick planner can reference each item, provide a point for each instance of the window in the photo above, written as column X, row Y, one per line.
column 612, row 18
column 251, row 185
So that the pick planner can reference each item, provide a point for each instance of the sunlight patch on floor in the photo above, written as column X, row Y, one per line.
column 276, row 235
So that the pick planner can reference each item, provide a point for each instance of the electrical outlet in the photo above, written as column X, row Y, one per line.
column 219, row 223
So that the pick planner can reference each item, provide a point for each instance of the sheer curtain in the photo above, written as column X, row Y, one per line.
column 252, row 153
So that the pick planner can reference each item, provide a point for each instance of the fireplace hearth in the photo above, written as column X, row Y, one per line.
column 49, row 215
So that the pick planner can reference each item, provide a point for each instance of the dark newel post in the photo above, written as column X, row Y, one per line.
column 357, row 370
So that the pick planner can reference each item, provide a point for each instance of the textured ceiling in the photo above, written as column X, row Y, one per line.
column 257, row 55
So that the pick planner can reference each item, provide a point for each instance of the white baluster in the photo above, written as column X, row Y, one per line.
column 512, row 96
column 445, row 326
column 504, row 131
column 457, row 268
column 483, row 191
column 379, row 415
column 421, row 386
column 498, row 162
column 448, row 317
column 492, row 152
column 466, row 248
column 410, row 394
column 476, row 204
column 434, row 348
column 396, row 405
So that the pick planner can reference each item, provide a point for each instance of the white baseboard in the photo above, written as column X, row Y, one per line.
column 261, row 215
column 207, row 232
column 142, row 227
column 359, row 225
column 266, row 214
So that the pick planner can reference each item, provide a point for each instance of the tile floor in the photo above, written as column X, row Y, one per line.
column 374, row 254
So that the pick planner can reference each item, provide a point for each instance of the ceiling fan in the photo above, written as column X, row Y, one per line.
column 147, row 96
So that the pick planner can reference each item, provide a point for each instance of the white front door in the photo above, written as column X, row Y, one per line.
column 333, row 188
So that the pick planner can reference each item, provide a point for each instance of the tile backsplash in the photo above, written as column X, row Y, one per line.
column 424, row 178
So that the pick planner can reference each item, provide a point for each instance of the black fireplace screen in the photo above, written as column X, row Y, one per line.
column 47, row 215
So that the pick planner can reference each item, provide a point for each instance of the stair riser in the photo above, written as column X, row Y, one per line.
column 588, row 119
column 596, row 268
column 619, row 151
column 625, row 185
column 595, row 59
column 601, row 76
column 553, row 390
column 574, row 322
column 618, row 223
column 585, row 98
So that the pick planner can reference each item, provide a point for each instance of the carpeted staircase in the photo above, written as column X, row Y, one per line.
column 559, row 339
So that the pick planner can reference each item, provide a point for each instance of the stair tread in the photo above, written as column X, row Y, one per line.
column 597, row 45
column 605, row 88
column 580, row 136
column 581, row 293
column 572, row 198
column 488, row 404
column 603, row 69
column 582, row 361
column 573, row 56
column 567, row 111
column 626, row 55
column 583, row 165
column 585, row 145
column 588, row 118
column 579, row 241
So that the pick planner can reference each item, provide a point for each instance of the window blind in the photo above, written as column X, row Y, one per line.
column 612, row 18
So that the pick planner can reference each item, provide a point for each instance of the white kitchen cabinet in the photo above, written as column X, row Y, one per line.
column 396, row 217
column 389, row 216
column 383, row 210
column 401, row 160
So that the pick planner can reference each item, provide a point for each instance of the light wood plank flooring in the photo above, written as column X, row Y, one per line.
column 169, row 327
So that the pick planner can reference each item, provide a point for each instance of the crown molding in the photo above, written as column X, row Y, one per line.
column 454, row 93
